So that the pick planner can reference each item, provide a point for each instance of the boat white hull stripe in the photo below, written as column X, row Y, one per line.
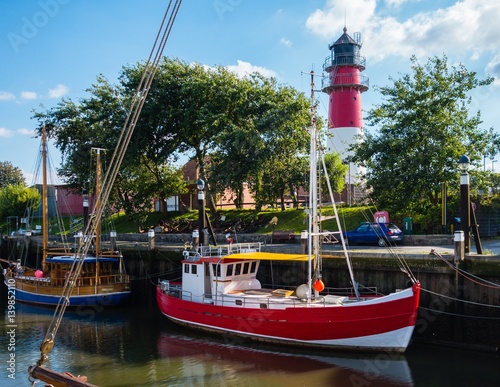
column 397, row 339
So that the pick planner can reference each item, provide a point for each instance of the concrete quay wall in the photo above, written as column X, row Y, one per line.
column 409, row 240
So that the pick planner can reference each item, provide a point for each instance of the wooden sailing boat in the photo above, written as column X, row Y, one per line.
column 102, row 281
column 221, row 292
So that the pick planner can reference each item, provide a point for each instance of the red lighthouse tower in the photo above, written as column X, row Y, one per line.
column 344, row 84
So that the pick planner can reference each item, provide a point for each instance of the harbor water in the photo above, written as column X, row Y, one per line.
column 135, row 345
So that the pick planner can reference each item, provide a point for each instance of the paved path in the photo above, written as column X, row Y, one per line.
column 490, row 247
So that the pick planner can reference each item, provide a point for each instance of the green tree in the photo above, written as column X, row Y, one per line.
column 424, row 125
column 263, row 144
column 236, row 129
column 336, row 173
column 10, row 174
column 187, row 107
column 15, row 199
column 96, row 122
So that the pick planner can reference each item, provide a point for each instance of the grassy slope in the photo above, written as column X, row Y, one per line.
column 291, row 219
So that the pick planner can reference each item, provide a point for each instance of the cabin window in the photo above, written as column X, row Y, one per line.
column 263, row 306
column 238, row 302
column 216, row 269
column 254, row 267
column 246, row 265
column 194, row 269
column 186, row 268
column 237, row 270
column 229, row 271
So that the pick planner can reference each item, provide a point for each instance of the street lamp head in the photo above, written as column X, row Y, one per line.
column 463, row 163
column 200, row 184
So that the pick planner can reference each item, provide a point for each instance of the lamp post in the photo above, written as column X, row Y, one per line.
column 200, row 184
column 464, row 163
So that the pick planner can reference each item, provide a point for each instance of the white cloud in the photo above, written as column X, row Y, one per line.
column 6, row 133
column 6, row 96
column 328, row 23
column 396, row 3
column 58, row 91
column 29, row 95
column 468, row 28
column 26, row 132
column 243, row 69
column 286, row 42
column 493, row 69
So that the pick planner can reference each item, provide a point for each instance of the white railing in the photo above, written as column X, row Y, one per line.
column 222, row 250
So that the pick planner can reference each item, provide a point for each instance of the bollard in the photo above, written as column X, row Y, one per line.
column 196, row 239
column 112, row 239
column 78, row 240
column 459, row 246
column 151, row 239
column 303, row 241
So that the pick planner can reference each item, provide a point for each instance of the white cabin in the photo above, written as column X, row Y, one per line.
column 205, row 276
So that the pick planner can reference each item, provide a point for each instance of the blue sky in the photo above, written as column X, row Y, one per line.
column 55, row 48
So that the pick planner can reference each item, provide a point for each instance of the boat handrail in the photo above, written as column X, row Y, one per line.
column 232, row 248
column 254, row 302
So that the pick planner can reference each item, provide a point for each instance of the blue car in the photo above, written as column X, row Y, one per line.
column 383, row 234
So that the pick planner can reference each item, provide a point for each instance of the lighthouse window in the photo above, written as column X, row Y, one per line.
column 351, row 122
column 354, row 98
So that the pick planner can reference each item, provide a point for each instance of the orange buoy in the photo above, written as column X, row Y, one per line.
column 319, row 286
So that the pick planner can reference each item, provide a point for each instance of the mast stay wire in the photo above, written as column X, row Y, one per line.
column 141, row 93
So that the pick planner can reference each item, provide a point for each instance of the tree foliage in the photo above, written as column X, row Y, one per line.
column 96, row 122
column 10, row 175
column 238, row 130
column 423, row 126
column 263, row 147
column 15, row 199
column 336, row 173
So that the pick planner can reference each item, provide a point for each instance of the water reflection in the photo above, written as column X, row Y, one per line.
column 137, row 346
column 234, row 359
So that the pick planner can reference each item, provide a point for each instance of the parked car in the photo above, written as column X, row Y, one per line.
column 22, row 231
column 374, row 233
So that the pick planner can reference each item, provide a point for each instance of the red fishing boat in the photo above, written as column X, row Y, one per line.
column 221, row 292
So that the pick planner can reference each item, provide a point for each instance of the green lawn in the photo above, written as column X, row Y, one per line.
column 290, row 219
column 258, row 222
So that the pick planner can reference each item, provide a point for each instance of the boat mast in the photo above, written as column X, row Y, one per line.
column 97, row 205
column 45, row 206
column 316, row 158
column 313, row 239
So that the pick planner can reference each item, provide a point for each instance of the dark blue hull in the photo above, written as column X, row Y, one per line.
column 108, row 299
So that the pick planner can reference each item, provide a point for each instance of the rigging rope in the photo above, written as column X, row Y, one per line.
column 149, row 72
column 465, row 274
column 458, row 299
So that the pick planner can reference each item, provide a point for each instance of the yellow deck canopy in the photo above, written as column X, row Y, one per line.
column 265, row 256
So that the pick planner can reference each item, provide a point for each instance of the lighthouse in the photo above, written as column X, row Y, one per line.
column 344, row 83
